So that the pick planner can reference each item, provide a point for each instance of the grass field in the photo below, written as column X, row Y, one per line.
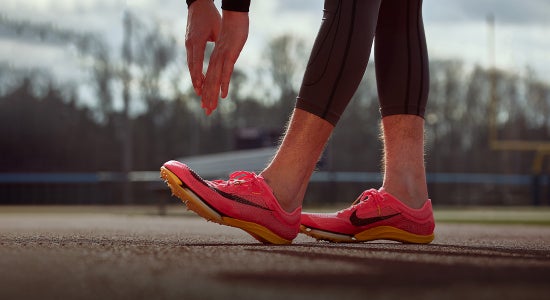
column 495, row 215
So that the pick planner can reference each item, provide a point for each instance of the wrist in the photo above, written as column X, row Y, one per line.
column 235, row 20
column 189, row 2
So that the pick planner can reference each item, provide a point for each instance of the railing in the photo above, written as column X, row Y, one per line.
column 105, row 187
column 153, row 176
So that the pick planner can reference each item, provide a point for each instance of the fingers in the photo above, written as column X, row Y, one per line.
column 195, row 58
column 218, row 77
column 218, row 74
column 229, row 41
column 211, row 87
column 227, row 70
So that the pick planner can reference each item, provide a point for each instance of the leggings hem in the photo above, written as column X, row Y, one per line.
column 329, row 116
column 411, row 110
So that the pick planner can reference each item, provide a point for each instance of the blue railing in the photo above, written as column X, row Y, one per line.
column 153, row 176
column 107, row 185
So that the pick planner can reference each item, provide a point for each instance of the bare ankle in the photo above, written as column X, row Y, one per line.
column 289, row 198
column 411, row 197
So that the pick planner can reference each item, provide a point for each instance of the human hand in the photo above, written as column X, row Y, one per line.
column 230, row 42
column 203, row 25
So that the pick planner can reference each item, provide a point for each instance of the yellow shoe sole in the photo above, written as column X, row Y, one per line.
column 194, row 203
column 376, row 233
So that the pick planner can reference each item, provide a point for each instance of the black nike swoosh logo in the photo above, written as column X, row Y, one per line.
column 223, row 194
column 356, row 221
column 239, row 199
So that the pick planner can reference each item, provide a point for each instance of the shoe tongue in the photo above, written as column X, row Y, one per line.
column 242, row 175
column 385, row 195
column 371, row 194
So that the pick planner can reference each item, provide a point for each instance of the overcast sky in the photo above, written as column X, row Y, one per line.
column 454, row 29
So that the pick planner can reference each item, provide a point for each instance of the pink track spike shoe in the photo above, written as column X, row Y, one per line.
column 375, row 215
column 244, row 201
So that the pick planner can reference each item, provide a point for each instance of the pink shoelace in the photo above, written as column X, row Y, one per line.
column 241, row 180
column 368, row 195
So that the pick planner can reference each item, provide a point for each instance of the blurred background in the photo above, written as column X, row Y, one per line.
column 95, row 95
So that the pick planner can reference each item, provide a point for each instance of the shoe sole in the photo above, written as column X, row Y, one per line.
column 201, row 208
column 376, row 233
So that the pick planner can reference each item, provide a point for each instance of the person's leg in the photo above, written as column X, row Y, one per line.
column 289, row 172
column 402, row 76
column 400, row 210
column 404, row 172
column 339, row 57
column 335, row 68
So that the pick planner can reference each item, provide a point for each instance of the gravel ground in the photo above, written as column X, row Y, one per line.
column 77, row 255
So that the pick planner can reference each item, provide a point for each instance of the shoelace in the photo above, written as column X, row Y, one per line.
column 368, row 195
column 243, row 179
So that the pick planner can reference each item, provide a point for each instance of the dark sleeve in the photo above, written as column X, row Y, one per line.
column 232, row 5
column 236, row 5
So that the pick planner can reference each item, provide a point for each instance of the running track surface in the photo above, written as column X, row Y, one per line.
column 117, row 256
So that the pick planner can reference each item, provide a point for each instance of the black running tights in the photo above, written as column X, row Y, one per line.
column 341, row 52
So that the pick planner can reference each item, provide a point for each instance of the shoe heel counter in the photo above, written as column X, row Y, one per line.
column 425, row 218
column 430, row 222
